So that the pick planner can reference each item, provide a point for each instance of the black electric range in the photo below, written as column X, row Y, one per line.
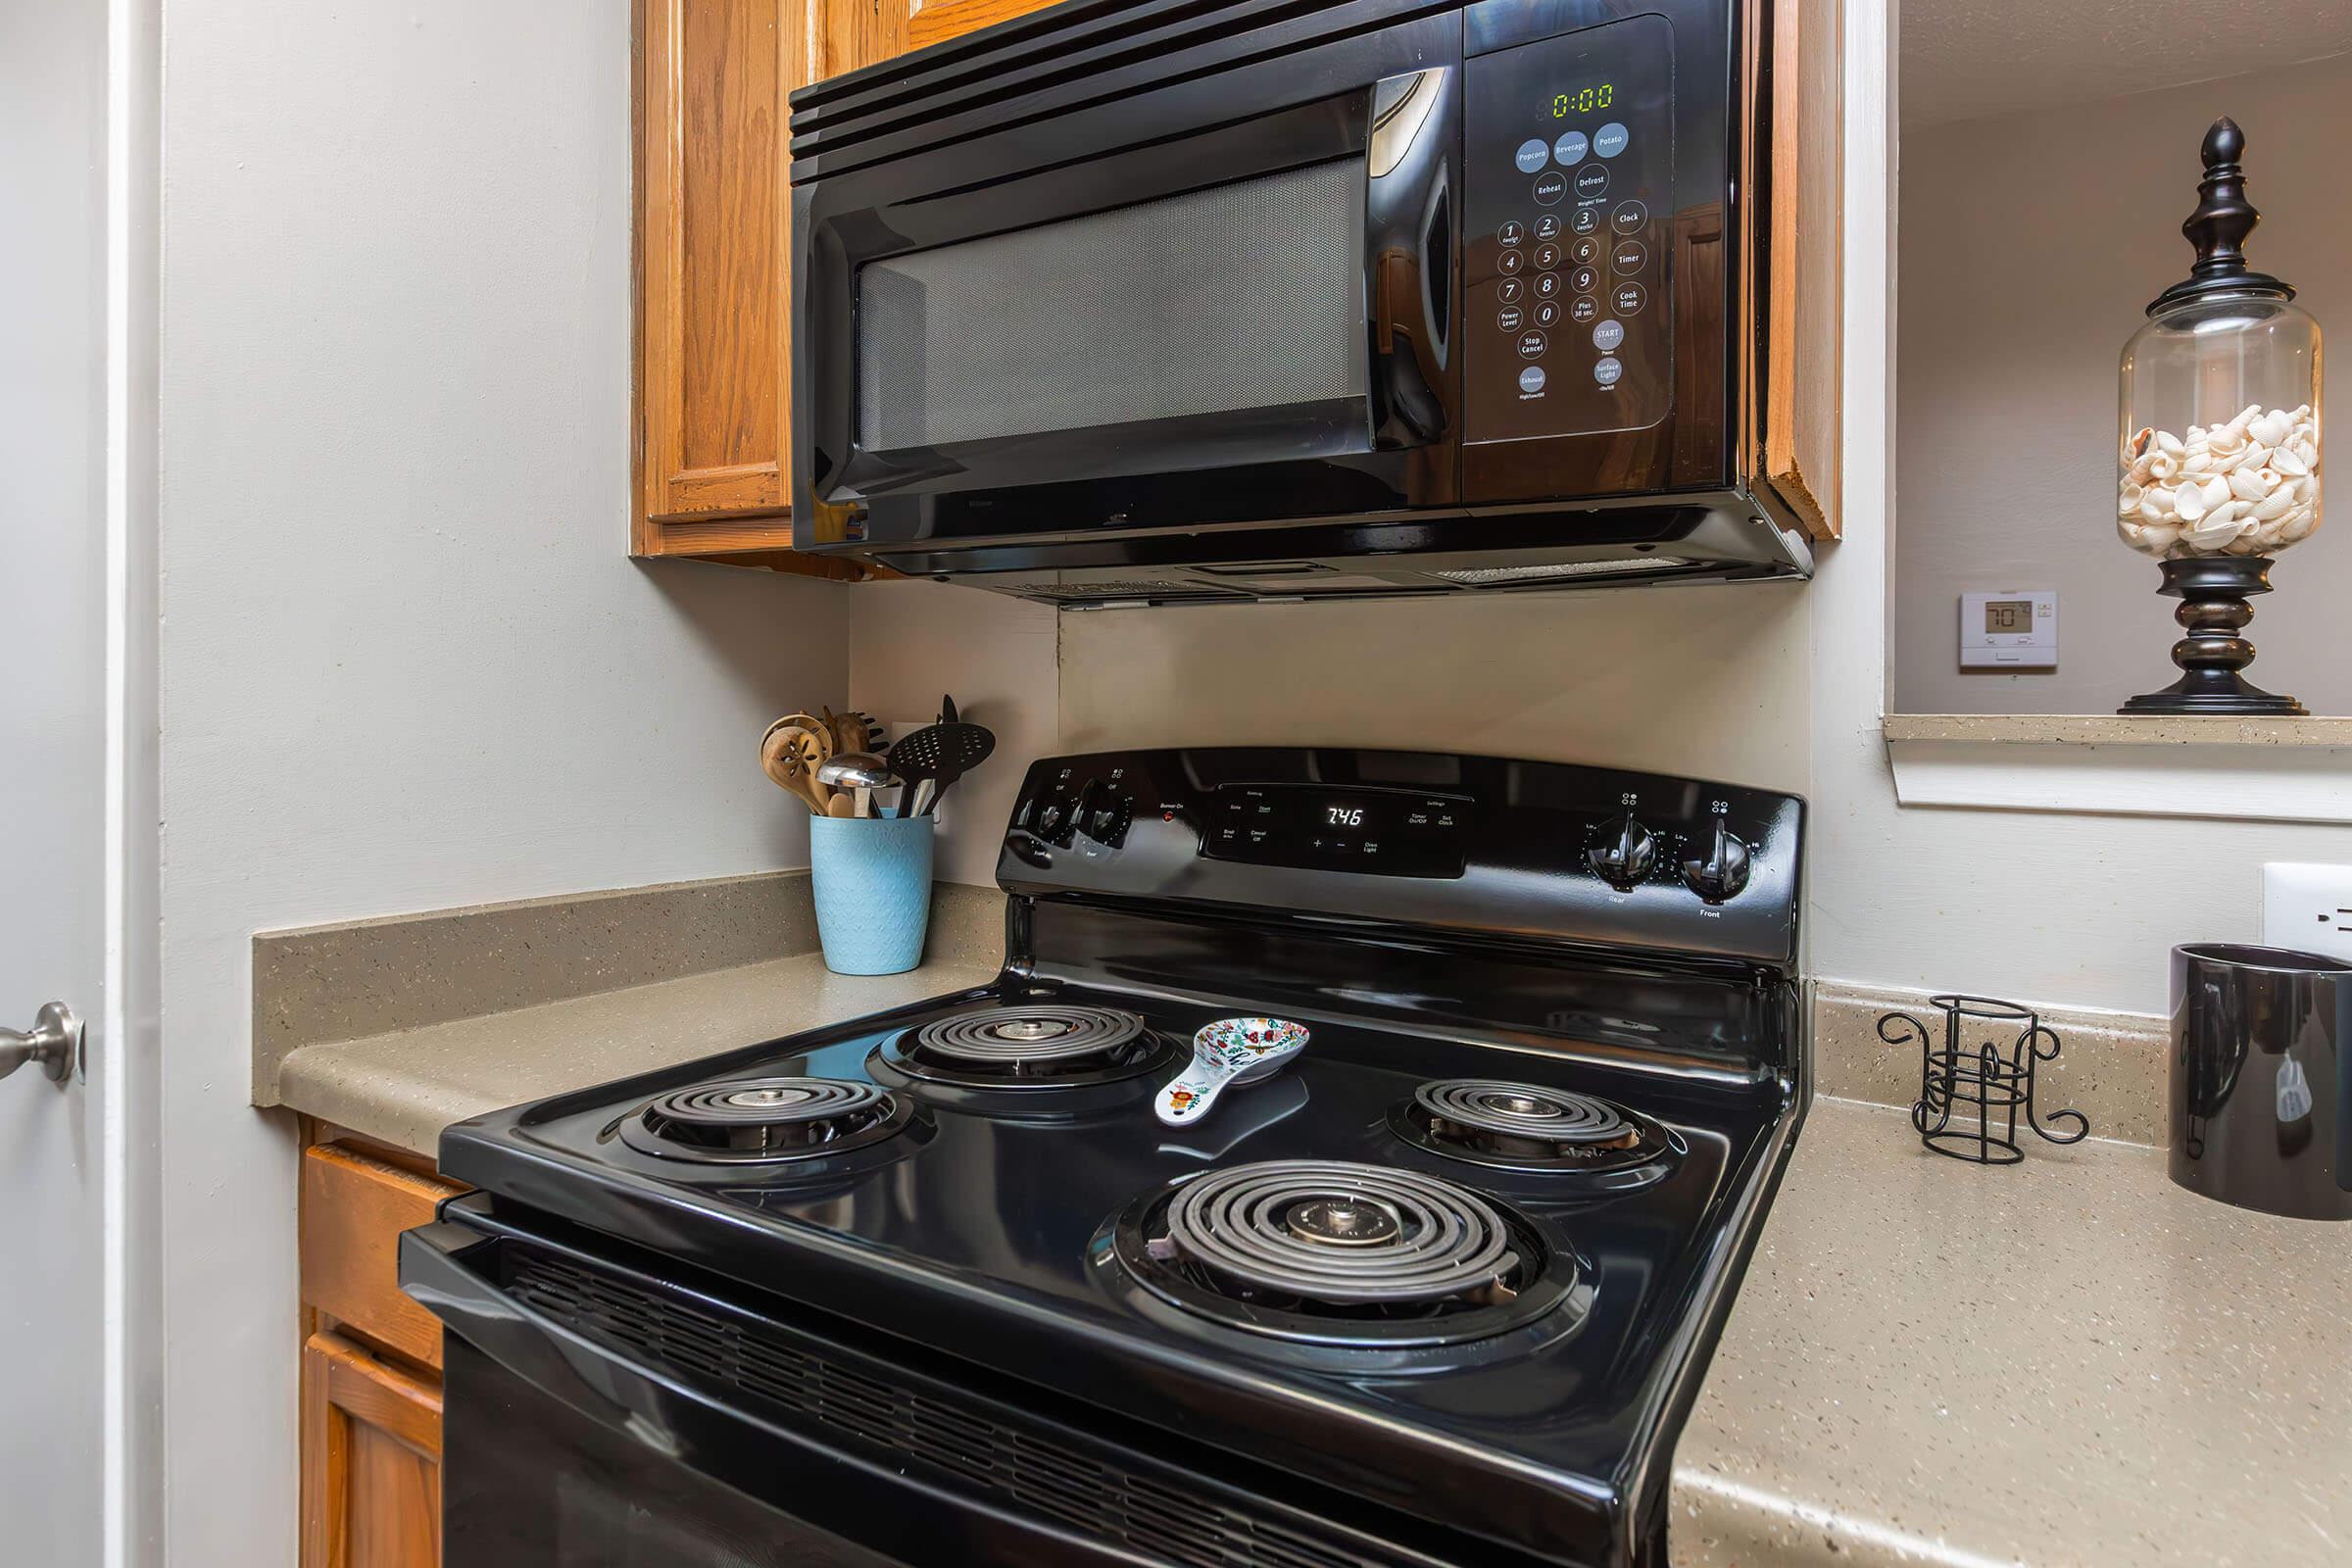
column 938, row 1286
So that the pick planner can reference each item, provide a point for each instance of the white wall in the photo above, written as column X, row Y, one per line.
column 2034, row 241
column 406, row 662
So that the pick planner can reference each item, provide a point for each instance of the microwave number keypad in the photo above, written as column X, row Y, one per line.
column 1569, row 194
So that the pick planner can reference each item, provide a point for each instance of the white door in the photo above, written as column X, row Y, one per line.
column 53, row 769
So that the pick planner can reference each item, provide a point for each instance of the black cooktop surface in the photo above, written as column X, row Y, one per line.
column 1031, row 1219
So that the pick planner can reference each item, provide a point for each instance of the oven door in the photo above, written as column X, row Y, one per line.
column 1229, row 297
column 604, row 1410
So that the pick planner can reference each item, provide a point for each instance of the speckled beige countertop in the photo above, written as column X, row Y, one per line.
column 2068, row 1361
column 405, row 1086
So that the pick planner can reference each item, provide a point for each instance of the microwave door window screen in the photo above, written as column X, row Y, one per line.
column 1229, row 300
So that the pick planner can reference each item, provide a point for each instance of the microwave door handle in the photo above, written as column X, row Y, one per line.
column 1409, row 228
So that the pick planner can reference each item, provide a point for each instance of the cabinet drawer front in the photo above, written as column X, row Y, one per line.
column 353, row 1207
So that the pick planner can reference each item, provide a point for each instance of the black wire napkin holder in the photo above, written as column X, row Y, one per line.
column 1994, row 1084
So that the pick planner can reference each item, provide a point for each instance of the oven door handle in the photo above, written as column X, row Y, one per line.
column 436, row 1271
column 1411, row 244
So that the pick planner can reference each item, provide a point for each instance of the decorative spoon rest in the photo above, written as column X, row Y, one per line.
column 1231, row 1051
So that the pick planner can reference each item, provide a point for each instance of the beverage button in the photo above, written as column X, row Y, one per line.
column 1606, row 372
column 1591, row 180
column 1512, row 232
column 1628, row 298
column 1629, row 255
column 1607, row 335
column 1548, row 226
column 1531, row 379
column 1511, row 260
column 1549, row 188
column 1531, row 156
column 1570, row 148
column 1584, row 310
column 1628, row 216
column 1531, row 345
column 1610, row 139
column 1510, row 318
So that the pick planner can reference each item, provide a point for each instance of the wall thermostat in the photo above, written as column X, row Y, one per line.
column 2016, row 628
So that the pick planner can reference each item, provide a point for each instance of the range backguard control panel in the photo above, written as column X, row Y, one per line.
column 1569, row 204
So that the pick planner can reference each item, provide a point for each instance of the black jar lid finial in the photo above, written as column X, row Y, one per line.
column 2219, row 228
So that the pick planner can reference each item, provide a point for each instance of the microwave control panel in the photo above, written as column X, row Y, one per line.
column 1568, row 148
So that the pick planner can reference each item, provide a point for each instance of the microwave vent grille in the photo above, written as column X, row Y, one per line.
column 1479, row 576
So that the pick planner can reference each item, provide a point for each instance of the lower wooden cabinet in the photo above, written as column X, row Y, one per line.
column 370, row 1361
column 371, row 1461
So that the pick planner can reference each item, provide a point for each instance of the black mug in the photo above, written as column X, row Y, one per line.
column 2262, row 1090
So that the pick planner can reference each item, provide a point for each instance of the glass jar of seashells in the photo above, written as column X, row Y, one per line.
column 2221, row 429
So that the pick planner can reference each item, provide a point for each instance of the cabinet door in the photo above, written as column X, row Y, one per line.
column 371, row 1460
column 937, row 20
column 713, row 351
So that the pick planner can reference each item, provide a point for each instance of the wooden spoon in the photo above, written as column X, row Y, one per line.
column 781, row 760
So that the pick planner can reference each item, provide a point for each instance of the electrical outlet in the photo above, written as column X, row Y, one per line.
column 2306, row 908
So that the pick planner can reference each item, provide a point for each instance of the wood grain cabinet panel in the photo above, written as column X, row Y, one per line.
column 371, row 1460
column 714, row 342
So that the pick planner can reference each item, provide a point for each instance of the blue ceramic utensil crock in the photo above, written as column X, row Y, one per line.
column 873, row 880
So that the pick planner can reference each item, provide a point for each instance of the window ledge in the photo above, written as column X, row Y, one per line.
column 2241, row 770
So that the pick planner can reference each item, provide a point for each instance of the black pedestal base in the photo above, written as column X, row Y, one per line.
column 2213, row 591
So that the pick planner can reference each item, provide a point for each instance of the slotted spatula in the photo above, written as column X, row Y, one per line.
column 935, row 756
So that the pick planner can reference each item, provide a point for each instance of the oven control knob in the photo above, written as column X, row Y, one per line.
column 1106, row 821
column 1623, row 851
column 1052, row 819
column 1720, row 869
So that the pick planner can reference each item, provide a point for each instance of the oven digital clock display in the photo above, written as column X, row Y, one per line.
column 1584, row 100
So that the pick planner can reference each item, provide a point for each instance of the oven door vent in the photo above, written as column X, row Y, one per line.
column 979, row 1445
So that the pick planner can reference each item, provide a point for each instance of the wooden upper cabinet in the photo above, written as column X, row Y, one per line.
column 935, row 20
column 1798, row 279
column 713, row 349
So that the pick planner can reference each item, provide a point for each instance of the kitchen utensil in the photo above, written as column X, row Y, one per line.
column 854, row 732
column 1231, row 1051
column 859, row 771
column 842, row 806
column 780, row 758
column 935, row 756
column 947, row 710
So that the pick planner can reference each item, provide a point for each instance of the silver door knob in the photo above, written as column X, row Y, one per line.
column 55, row 1043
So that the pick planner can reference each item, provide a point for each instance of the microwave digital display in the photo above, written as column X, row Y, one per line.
column 1583, row 100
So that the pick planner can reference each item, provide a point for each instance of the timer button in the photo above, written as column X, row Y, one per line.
column 1629, row 255
column 1570, row 148
column 1531, row 156
column 1549, row 188
column 1610, row 139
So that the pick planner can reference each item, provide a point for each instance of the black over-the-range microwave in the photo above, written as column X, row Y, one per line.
column 1203, row 300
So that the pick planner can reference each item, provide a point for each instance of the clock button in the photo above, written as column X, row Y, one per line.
column 1610, row 139
column 1628, row 216
column 1570, row 148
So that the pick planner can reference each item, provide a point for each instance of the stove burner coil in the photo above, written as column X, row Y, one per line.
column 753, row 1119
column 1021, row 1037
column 1517, row 1110
column 1340, row 1233
column 1514, row 1126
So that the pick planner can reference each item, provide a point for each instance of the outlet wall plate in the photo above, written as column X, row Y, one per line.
column 2306, row 907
